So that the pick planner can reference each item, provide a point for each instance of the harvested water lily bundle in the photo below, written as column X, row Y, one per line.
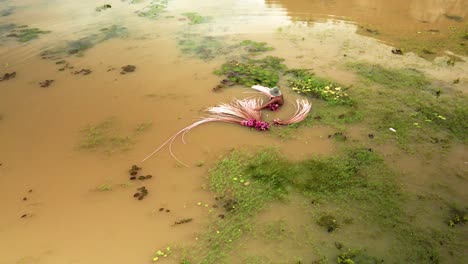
column 302, row 110
column 240, row 112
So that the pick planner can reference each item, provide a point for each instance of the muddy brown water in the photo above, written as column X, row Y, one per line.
column 67, row 219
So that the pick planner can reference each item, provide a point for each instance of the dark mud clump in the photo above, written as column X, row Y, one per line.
column 223, row 84
column 8, row 76
column 46, row 83
column 329, row 222
column 83, row 72
column 183, row 221
column 339, row 136
column 230, row 205
column 357, row 256
column 127, row 69
column 103, row 7
column 397, row 51
column 454, row 17
column 141, row 194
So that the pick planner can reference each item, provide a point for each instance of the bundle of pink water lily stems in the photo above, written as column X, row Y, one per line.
column 240, row 112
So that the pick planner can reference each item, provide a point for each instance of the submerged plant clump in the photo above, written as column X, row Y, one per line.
column 196, row 18
column 25, row 34
column 391, row 78
column 250, row 72
column 203, row 47
column 154, row 10
column 255, row 47
column 308, row 84
column 79, row 46
column 106, row 136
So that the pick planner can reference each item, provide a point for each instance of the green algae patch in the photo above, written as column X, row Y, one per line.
column 248, row 72
column 403, row 78
column 196, row 18
column 154, row 10
column 255, row 47
column 108, row 137
column 405, row 100
column 203, row 47
column 24, row 33
column 79, row 46
column 247, row 182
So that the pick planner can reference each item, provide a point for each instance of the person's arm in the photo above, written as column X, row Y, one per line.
column 267, row 104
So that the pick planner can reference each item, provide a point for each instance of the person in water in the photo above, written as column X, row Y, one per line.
column 276, row 100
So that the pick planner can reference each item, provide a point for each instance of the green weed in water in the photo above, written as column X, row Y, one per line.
column 196, row 18
column 106, row 136
column 255, row 47
column 357, row 177
column 249, row 72
column 391, row 78
column 79, row 46
column 27, row 34
column 154, row 10
column 413, row 109
column 202, row 47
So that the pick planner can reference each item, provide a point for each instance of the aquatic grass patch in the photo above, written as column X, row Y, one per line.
column 255, row 47
column 392, row 78
column 25, row 34
column 203, row 47
column 357, row 177
column 154, row 9
column 310, row 85
column 196, row 18
column 412, row 108
column 108, row 137
column 79, row 46
column 249, row 72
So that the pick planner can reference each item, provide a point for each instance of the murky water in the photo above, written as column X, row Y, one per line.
column 77, row 204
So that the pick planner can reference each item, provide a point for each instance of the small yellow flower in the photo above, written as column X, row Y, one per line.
column 338, row 88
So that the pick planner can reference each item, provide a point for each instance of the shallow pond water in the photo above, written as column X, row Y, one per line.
column 96, row 89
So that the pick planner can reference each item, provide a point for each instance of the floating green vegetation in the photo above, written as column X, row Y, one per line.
column 249, row 72
column 154, row 10
column 392, row 78
column 255, row 47
column 108, row 137
column 23, row 33
column 79, row 46
column 196, row 18
column 202, row 47
column 308, row 84
column 105, row 187
column 358, row 177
